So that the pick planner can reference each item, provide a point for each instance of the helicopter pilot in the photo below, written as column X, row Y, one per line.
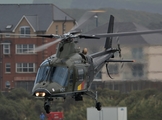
column 84, row 51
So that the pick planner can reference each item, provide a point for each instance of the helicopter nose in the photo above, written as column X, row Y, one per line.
column 41, row 92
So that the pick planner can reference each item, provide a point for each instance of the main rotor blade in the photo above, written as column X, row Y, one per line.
column 87, row 16
column 33, row 35
column 127, row 33
column 42, row 47
column 88, row 36
column 49, row 36
column 26, row 35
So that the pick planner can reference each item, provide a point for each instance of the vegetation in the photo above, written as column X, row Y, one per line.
column 144, row 105
column 19, row 105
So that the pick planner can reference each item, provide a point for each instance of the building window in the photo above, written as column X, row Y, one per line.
column 25, row 67
column 56, row 29
column 99, row 75
column 6, row 48
column 24, row 31
column 8, row 67
column 24, row 48
column 7, row 35
column 64, row 28
column 8, row 84
column 113, row 69
column 137, row 53
column 137, row 70
column 27, row 85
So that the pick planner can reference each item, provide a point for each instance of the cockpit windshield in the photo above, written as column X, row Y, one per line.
column 58, row 74
column 42, row 74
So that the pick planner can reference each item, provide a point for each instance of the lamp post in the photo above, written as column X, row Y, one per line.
column 96, row 17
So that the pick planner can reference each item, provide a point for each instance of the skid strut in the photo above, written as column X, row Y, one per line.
column 95, row 97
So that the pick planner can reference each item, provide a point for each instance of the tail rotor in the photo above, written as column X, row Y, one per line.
column 119, row 50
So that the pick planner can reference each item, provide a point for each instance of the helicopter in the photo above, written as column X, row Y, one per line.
column 70, row 72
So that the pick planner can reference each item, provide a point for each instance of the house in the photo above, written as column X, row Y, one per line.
column 18, row 66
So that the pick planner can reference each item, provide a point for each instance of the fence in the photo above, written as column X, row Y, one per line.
column 127, row 86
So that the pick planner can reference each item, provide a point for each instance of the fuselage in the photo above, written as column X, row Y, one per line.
column 68, row 71
column 63, row 73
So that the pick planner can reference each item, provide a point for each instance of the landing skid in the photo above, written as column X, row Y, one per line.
column 78, row 96
column 47, row 107
column 94, row 96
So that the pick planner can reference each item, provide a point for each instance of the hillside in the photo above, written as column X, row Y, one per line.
column 144, row 5
column 149, row 20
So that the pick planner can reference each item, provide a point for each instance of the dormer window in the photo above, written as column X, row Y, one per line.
column 24, row 30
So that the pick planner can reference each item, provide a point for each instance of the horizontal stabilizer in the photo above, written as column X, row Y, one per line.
column 127, row 33
column 112, row 60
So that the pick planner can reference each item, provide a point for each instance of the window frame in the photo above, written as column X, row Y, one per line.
column 138, row 70
column 23, row 49
column 137, row 53
column 24, row 31
column 7, row 67
column 24, row 84
column 113, row 69
column 4, row 49
column 25, row 68
column 64, row 28
column 56, row 29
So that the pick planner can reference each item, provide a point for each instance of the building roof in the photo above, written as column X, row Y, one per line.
column 135, row 40
column 39, row 15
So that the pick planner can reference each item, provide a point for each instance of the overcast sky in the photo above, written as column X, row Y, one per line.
column 15, row 1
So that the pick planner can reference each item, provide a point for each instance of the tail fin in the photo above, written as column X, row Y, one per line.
column 108, row 43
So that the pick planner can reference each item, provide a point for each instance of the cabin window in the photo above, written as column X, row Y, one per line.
column 80, row 74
